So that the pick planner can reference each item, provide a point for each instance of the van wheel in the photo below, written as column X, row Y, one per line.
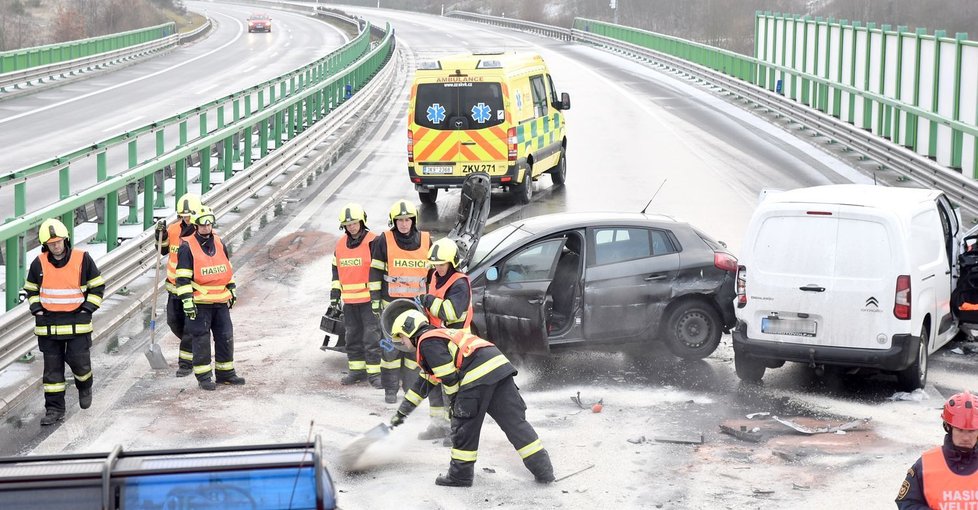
column 748, row 370
column 693, row 330
column 915, row 376
column 523, row 192
column 429, row 197
column 558, row 174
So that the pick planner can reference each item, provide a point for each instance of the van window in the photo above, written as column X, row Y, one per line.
column 822, row 246
column 868, row 243
column 928, row 238
column 539, row 90
column 458, row 106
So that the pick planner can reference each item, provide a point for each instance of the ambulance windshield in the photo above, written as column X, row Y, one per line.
column 459, row 105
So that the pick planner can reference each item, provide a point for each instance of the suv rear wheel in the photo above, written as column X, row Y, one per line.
column 693, row 330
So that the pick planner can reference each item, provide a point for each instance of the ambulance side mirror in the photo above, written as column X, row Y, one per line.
column 564, row 102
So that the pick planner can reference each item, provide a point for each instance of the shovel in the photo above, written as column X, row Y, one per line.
column 153, row 353
column 352, row 454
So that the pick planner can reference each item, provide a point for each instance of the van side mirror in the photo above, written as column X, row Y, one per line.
column 492, row 274
column 564, row 101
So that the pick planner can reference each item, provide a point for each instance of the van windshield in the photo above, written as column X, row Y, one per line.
column 459, row 105
column 822, row 246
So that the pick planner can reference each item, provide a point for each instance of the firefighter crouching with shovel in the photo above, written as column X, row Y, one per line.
column 477, row 379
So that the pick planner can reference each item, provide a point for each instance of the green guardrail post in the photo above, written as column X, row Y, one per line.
column 180, row 185
column 263, row 138
column 236, row 110
column 160, row 150
column 64, row 191
column 883, row 110
column 823, row 94
column 222, row 157
column 247, row 146
column 805, row 82
column 279, row 116
column 867, row 72
column 898, row 115
column 12, row 269
column 837, row 92
column 957, row 136
column 935, row 95
column 290, row 122
column 101, row 173
column 133, row 201
column 205, row 157
column 912, row 119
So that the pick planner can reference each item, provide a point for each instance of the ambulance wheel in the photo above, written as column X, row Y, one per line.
column 559, row 173
column 915, row 376
column 523, row 191
column 429, row 197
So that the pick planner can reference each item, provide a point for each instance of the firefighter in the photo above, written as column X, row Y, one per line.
column 186, row 207
column 205, row 284
column 397, row 270
column 64, row 288
column 447, row 304
column 478, row 380
column 351, row 274
column 946, row 476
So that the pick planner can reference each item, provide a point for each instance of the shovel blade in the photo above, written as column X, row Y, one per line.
column 350, row 455
column 155, row 356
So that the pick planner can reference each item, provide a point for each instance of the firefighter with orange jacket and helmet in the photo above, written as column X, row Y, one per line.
column 186, row 207
column 947, row 476
column 351, row 276
column 205, row 284
column 64, row 288
column 478, row 380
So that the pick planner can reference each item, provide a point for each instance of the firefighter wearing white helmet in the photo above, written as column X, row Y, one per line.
column 205, row 285
column 64, row 288
column 478, row 380
column 351, row 276
column 397, row 270
column 186, row 206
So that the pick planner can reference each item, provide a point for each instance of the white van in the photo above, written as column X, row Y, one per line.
column 848, row 275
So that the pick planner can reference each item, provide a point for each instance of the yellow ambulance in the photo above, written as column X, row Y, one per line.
column 495, row 113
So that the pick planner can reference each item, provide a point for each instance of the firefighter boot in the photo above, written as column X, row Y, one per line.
column 353, row 377
column 448, row 481
column 233, row 380
column 85, row 398
column 52, row 416
column 207, row 384
column 539, row 464
column 375, row 381
column 184, row 371
column 390, row 396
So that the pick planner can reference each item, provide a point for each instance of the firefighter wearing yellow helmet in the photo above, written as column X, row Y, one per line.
column 206, row 288
column 350, row 292
column 477, row 380
column 170, row 238
column 64, row 288
column 397, row 270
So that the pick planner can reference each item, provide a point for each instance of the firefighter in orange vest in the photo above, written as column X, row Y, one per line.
column 478, row 380
column 186, row 207
column 351, row 274
column 64, row 287
column 205, row 284
column 397, row 270
column 947, row 476
column 448, row 304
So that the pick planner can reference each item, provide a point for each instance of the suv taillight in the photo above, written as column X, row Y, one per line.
column 725, row 261
column 512, row 141
column 410, row 146
column 901, row 303
column 741, row 286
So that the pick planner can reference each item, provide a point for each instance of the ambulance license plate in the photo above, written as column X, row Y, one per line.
column 792, row 327
column 437, row 170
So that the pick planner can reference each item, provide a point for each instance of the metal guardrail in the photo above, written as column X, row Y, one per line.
column 138, row 255
column 923, row 171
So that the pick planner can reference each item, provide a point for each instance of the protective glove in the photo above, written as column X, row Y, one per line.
column 398, row 419
column 376, row 308
column 234, row 298
column 419, row 300
column 189, row 308
column 160, row 226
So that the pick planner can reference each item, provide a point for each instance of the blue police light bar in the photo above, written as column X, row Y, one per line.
column 255, row 477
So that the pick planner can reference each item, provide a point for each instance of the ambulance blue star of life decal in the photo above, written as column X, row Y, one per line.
column 481, row 113
column 436, row 113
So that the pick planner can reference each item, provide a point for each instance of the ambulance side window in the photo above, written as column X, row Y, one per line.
column 554, row 99
column 539, row 89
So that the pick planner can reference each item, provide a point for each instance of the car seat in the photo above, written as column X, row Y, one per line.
column 564, row 287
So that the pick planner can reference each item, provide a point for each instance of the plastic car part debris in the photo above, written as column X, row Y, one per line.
column 680, row 440
column 636, row 440
column 743, row 434
column 821, row 430
column 579, row 471
column 751, row 416
column 585, row 405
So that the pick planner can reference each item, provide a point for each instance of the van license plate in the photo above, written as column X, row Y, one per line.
column 437, row 170
column 793, row 327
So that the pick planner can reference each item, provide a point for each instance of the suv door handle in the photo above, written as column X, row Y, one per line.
column 812, row 288
column 654, row 277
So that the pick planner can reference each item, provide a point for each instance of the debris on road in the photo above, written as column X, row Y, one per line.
column 589, row 405
column 489, row 470
column 751, row 416
column 579, row 471
column 957, row 350
column 918, row 395
column 681, row 440
column 743, row 434
column 821, row 430
column 596, row 408
column 636, row 440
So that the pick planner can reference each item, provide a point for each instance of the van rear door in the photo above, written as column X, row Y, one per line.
column 821, row 276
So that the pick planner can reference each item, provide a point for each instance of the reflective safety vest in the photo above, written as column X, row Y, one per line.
column 942, row 487
column 461, row 345
column 61, row 288
column 439, row 293
column 353, row 268
column 173, row 238
column 406, row 270
column 211, row 273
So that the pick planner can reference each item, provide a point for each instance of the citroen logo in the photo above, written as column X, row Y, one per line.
column 872, row 301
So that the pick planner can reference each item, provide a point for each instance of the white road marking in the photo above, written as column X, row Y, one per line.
column 141, row 78
column 119, row 125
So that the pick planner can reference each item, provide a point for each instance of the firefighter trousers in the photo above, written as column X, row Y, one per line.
column 501, row 401
column 76, row 352
column 216, row 319
column 398, row 368
column 362, row 338
column 177, row 321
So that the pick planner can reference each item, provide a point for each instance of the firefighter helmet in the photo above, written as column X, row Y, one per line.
column 188, row 204
column 204, row 216
column 352, row 212
column 961, row 411
column 443, row 251
column 52, row 230
column 403, row 209
column 408, row 323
